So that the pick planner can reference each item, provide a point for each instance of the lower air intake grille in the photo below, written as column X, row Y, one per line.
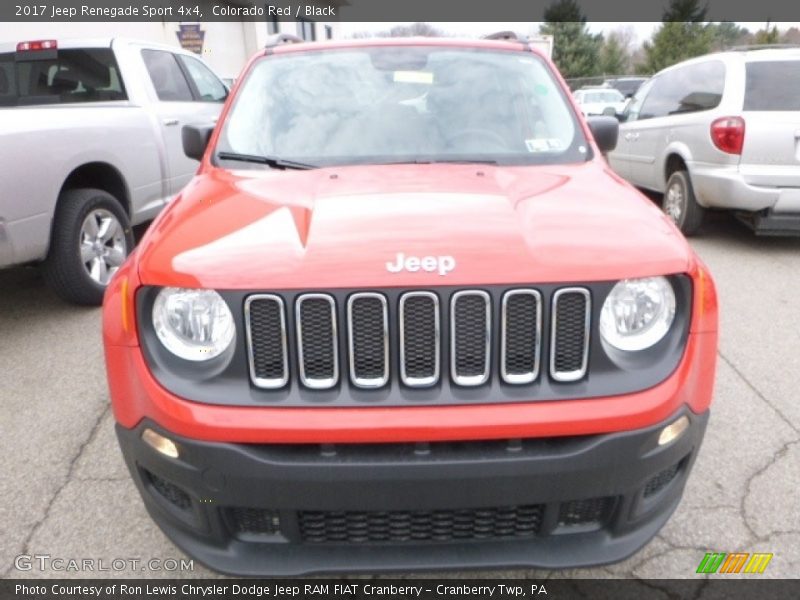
column 254, row 521
column 583, row 512
column 420, row 526
column 660, row 481
column 169, row 491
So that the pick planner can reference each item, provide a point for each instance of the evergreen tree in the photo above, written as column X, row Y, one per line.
column 683, row 35
column 614, row 57
column 575, row 50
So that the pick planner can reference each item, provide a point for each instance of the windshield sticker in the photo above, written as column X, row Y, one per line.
column 425, row 77
column 544, row 145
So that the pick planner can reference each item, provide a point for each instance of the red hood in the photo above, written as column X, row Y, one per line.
column 338, row 227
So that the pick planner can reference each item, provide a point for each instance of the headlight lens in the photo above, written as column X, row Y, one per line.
column 638, row 313
column 195, row 325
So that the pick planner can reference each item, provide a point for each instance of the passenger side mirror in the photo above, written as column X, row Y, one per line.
column 605, row 131
column 195, row 140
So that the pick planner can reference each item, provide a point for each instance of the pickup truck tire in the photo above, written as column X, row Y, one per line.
column 680, row 205
column 91, row 238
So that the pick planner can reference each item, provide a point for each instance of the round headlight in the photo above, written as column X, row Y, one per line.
column 194, row 325
column 638, row 313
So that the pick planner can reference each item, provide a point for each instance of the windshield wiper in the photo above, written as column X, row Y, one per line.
column 270, row 161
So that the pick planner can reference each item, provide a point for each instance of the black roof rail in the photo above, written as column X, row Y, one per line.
column 278, row 39
column 503, row 35
column 745, row 48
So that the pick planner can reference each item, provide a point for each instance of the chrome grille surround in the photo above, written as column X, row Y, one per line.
column 266, row 382
column 417, row 381
column 367, row 382
column 576, row 373
column 469, row 380
column 310, row 381
column 518, row 378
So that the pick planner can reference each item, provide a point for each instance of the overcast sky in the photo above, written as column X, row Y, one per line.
column 642, row 31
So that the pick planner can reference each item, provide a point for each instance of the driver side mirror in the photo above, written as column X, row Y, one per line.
column 195, row 140
column 605, row 131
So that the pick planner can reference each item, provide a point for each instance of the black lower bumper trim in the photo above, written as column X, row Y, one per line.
column 283, row 510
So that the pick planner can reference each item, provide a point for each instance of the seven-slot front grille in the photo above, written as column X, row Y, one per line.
column 409, row 335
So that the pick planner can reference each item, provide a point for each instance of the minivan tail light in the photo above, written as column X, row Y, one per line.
column 37, row 45
column 727, row 133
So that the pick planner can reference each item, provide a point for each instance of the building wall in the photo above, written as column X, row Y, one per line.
column 226, row 47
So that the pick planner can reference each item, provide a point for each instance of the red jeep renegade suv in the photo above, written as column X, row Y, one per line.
column 406, row 317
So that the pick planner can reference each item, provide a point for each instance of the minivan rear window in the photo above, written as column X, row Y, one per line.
column 68, row 77
column 773, row 85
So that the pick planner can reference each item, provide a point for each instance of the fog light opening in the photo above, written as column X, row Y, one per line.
column 160, row 443
column 673, row 431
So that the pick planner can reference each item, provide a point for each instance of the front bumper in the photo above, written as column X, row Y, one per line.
column 287, row 509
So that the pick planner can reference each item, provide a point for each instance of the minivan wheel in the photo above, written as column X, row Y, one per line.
column 91, row 239
column 680, row 205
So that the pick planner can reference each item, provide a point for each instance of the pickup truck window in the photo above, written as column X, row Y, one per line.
column 209, row 88
column 72, row 76
column 421, row 104
column 167, row 76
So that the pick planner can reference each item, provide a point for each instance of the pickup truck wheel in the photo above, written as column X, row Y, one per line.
column 680, row 204
column 91, row 239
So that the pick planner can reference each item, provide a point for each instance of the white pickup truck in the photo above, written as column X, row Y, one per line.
column 90, row 145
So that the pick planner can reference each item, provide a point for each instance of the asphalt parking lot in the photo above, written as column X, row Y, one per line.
column 66, row 492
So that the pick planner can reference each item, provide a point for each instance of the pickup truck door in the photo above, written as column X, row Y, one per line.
column 187, row 92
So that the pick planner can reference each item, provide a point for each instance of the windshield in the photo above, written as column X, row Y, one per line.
column 397, row 104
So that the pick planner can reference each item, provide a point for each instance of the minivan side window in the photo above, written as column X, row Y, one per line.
column 167, row 76
column 773, row 85
column 635, row 105
column 686, row 89
column 209, row 88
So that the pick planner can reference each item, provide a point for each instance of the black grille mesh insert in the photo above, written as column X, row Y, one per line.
column 469, row 320
column 521, row 336
column 419, row 331
column 570, row 332
column 583, row 512
column 420, row 526
column 317, row 335
column 368, row 323
column 267, row 339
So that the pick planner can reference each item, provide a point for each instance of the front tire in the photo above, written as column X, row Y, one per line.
column 680, row 205
column 91, row 239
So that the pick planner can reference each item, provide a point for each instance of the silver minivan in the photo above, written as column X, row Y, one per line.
column 719, row 132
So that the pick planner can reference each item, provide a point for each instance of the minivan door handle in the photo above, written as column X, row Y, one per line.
column 631, row 137
column 171, row 122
